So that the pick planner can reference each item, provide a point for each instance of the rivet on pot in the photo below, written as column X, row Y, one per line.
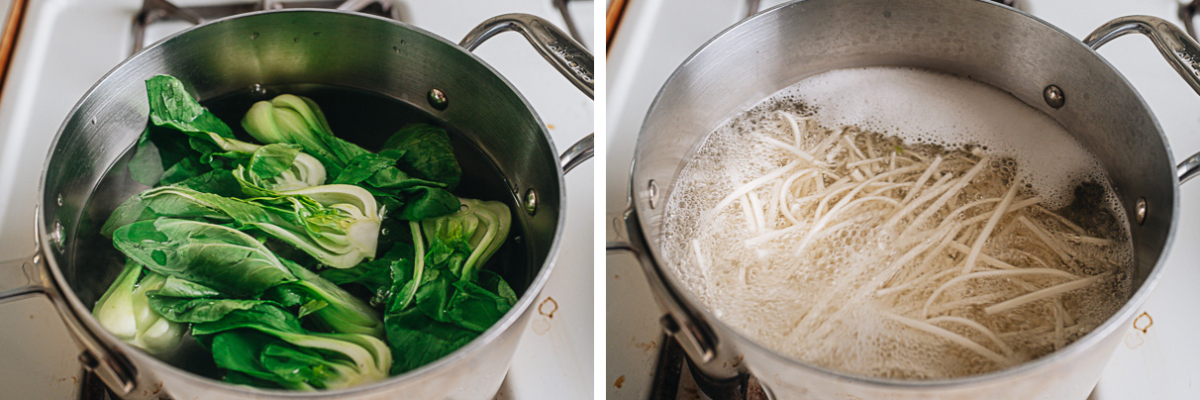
column 652, row 193
column 257, row 90
column 59, row 200
column 1054, row 96
column 56, row 235
column 531, row 202
column 437, row 99
column 1139, row 210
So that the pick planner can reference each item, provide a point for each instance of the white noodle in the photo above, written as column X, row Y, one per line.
column 977, row 327
column 1041, row 294
column 987, row 229
column 951, row 336
column 988, row 274
column 754, row 184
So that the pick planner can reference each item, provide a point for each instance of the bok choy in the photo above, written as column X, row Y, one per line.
column 124, row 310
column 413, row 172
column 271, row 256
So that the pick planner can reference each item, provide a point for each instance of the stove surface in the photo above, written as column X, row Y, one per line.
column 652, row 41
column 67, row 45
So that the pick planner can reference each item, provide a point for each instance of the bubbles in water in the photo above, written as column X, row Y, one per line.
column 756, row 268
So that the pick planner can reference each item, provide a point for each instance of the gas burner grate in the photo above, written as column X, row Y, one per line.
column 162, row 10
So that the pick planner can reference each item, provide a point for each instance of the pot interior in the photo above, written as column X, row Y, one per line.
column 370, row 76
column 361, row 117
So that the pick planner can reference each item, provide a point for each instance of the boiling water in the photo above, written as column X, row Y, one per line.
column 836, row 285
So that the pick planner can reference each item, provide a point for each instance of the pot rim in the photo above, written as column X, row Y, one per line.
column 1084, row 343
column 84, row 316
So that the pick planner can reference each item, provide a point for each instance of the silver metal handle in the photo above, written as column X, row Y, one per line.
column 20, row 278
column 579, row 152
column 27, row 277
column 1189, row 168
column 693, row 333
column 568, row 56
column 1180, row 50
column 565, row 54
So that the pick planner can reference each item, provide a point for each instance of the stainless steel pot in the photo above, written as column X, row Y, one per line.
column 292, row 47
column 1015, row 52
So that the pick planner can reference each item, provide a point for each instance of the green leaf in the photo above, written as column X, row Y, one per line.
column 416, row 339
column 245, row 379
column 338, row 225
column 271, row 160
column 377, row 275
column 367, row 164
column 312, row 306
column 433, row 297
column 331, row 307
column 217, row 182
column 476, row 308
column 172, row 106
column 176, row 116
column 424, row 202
column 296, row 364
column 175, row 287
column 146, row 165
column 197, row 310
column 268, row 343
column 427, row 153
column 238, row 352
column 260, row 316
column 492, row 282
column 215, row 256
column 183, row 170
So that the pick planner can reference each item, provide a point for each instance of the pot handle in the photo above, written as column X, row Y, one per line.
column 1180, row 50
column 569, row 57
column 27, row 277
column 20, row 279
column 684, row 323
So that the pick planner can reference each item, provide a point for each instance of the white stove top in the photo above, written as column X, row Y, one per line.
column 67, row 45
column 653, row 40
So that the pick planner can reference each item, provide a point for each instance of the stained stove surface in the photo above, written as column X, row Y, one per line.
column 67, row 45
column 655, row 36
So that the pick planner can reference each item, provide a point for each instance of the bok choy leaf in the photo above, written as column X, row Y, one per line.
column 338, row 225
column 186, row 140
column 414, row 170
column 265, row 345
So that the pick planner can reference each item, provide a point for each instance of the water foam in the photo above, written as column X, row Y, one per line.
column 926, row 107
